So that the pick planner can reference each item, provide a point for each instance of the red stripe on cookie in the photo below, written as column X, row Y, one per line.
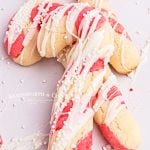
column 16, row 47
column 63, row 117
column 86, row 143
column 81, row 16
column 119, row 28
column 67, row 11
column 100, row 22
column 98, row 26
column 34, row 12
column 113, row 92
column 98, row 65
column 109, row 136
column 93, row 100
column 54, row 6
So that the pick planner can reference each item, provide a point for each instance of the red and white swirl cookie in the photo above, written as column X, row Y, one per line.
column 85, row 90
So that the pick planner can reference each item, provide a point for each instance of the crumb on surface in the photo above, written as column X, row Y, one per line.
column 131, row 89
column 23, row 127
column 14, row 105
column 148, row 11
column 21, row 81
column 137, row 2
column 1, row 9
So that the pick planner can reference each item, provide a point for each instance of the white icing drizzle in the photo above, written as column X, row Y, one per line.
column 114, row 108
column 19, row 22
column 55, row 21
column 86, row 21
column 115, row 105
column 98, row 3
column 99, row 100
column 110, row 14
column 46, row 26
column 72, row 17
column 94, row 24
column 42, row 13
column 31, row 54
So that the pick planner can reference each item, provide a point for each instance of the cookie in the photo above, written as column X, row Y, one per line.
column 21, row 37
column 125, row 51
column 115, row 121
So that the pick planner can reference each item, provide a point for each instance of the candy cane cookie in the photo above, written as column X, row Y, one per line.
column 126, row 57
column 21, row 36
column 55, row 126
column 80, row 82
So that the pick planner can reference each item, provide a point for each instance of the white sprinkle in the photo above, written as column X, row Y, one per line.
column 21, row 81
column 53, row 126
column 14, row 105
column 45, row 142
column 137, row 3
column 13, row 140
column 2, row 82
column 1, row 9
column 22, row 98
column 44, row 81
column 2, row 100
column 138, row 32
column 23, row 127
column 8, row 63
